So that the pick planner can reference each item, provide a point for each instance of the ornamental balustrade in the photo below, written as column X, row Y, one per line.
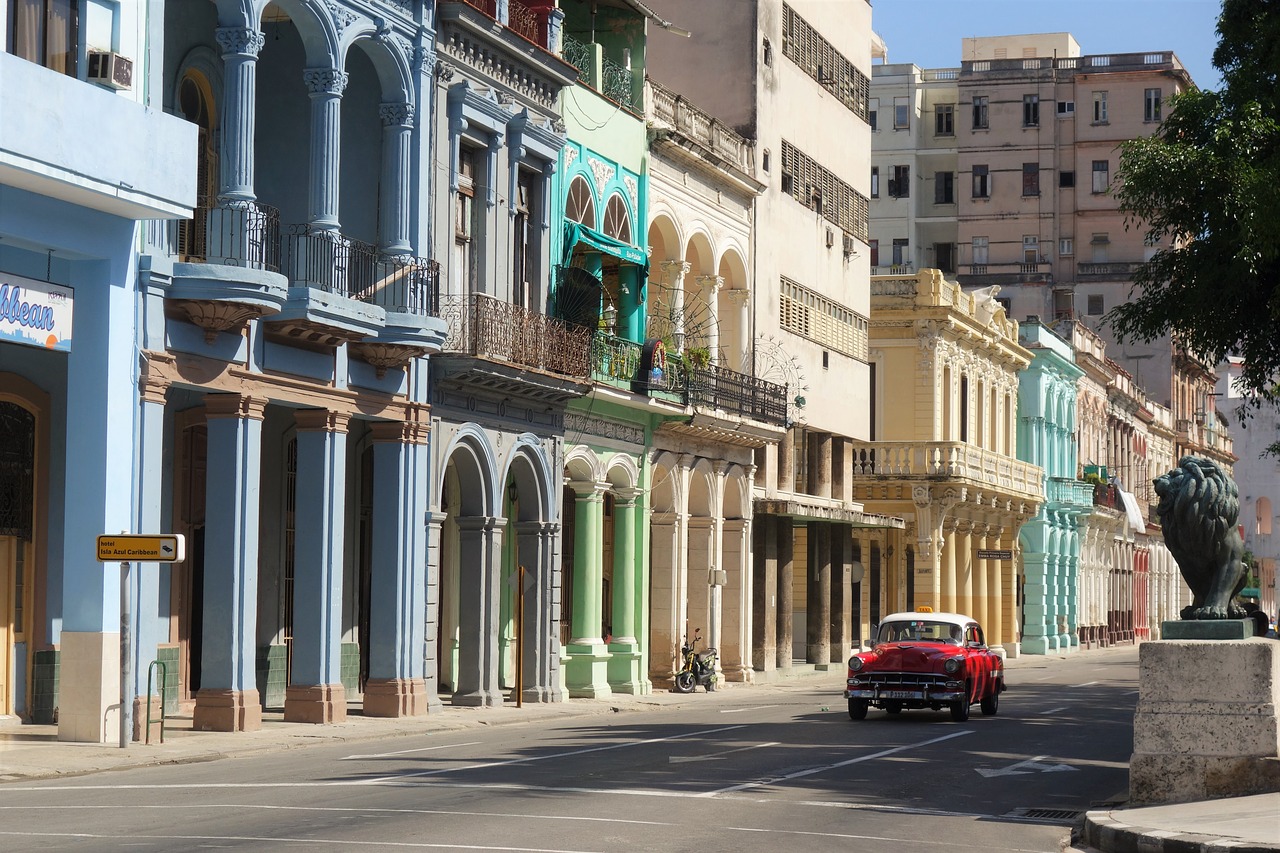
column 720, row 388
column 953, row 460
column 485, row 327
column 330, row 261
column 234, row 233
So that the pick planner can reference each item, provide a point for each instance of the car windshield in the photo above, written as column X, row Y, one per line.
column 919, row 630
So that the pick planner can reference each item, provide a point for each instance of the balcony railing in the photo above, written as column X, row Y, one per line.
column 332, row 262
column 1108, row 496
column 489, row 328
column 1068, row 490
column 405, row 284
column 610, row 79
column 671, row 108
column 738, row 394
column 949, row 459
column 236, row 233
column 527, row 22
column 1119, row 269
column 489, row 7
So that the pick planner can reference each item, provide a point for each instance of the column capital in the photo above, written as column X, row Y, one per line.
column 676, row 268
column 234, row 406
column 626, row 496
column 154, row 387
column 480, row 522
column 720, row 466
column 239, row 41
column 396, row 115
column 322, row 420
column 715, row 282
column 737, row 294
column 399, row 432
column 589, row 489
column 324, row 81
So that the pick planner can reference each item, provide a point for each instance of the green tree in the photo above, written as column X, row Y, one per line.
column 1206, row 188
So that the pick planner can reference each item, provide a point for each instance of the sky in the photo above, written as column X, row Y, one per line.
column 928, row 32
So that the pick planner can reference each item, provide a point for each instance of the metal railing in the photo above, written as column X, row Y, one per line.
column 234, row 233
column 1108, row 496
column 949, row 459
column 618, row 84
column 332, row 262
column 526, row 22
column 737, row 393
column 405, row 284
column 489, row 7
column 485, row 327
column 577, row 53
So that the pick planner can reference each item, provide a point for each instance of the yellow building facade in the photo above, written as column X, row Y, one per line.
column 943, row 455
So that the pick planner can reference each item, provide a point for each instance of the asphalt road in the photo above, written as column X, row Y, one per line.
column 775, row 767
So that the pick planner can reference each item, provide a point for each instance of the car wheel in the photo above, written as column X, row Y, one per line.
column 960, row 710
column 893, row 707
column 991, row 703
column 858, row 709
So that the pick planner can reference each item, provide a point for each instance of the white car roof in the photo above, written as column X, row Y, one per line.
column 949, row 618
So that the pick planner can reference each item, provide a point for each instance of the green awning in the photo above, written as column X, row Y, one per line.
column 576, row 232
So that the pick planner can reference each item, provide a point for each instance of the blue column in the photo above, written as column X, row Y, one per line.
column 228, row 698
column 397, row 588
column 325, row 85
column 397, row 128
column 479, row 555
column 150, row 578
column 240, row 46
column 315, row 693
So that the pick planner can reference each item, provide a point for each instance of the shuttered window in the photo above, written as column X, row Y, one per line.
column 817, row 188
column 821, row 61
column 825, row 321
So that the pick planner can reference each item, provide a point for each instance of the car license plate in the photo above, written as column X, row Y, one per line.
column 898, row 694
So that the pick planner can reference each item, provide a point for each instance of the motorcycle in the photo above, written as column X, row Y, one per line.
column 698, row 667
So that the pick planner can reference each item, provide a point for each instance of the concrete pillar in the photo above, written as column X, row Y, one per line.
column 673, row 273
column 325, row 86
column 764, row 597
column 228, row 697
column 240, row 46
column 315, row 693
column 480, row 556
column 396, row 686
column 735, row 619
column 964, row 567
column 841, row 604
column 820, row 464
column 948, row 601
column 713, row 284
column 631, row 315
column 397, row 133
column 624, row 650
column 981, row 596
column 818, row 607
column 665, row 561
column 148, row 579
column 787, row 462
column 587, row 673
column 786, row 596
column 740, row 347
column 431, row 650
column 535, row 550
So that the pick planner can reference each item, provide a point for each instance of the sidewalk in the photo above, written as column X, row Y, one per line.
column 27, row 752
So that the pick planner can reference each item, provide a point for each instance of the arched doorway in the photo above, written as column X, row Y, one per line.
column 17, row 519
column 195, row 102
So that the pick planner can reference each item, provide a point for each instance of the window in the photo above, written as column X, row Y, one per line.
column 981, row 182
column 1099, row 107
column 901, row 114
column 900, row 184
column 764, row 160
column 875, row 182
column 524, row 247
column 581, row 206
column 808, row 313
column 1066, row 108
column 1100, row 243
column 1031, row 249
column 1151, row 105
column 901, row 252
column 1031, row 179
column 1101, row 176
column 46, row 32
column 818, row 58
column 873, row 110
column 1095, row 308
column 1030, row 110
column 944, row 189
column 1066, row 180
column 1066, row 246
column 617, row 222
column 944, row 256
column 768, row 53
column 818, row 189
column 464, row 222
column 980, row 112
column 944, row 120
column 875, row 252
column 981, row 245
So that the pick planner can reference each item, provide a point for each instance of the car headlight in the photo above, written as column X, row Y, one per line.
column 952, row 664
column 855, row 663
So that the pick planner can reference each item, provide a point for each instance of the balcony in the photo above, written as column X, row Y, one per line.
column 227, row 269
column 1068, row 491
column 668, row 109
column 1108, row 496
column 951, row 460
column 612, row 80
column 483, row 327
column 619, row 362
column 1015, row 273
column 738, row 394
column 1107, row 271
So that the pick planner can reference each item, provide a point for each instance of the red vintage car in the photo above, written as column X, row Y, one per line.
column 926, row 660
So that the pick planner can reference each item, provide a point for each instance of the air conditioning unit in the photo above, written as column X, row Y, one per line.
column 849, row 248
column 831, row 238
column 110, row 69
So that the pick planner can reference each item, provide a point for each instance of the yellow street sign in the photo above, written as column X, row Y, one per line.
column 128, row 547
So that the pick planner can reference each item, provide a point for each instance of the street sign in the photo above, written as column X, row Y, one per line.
column 1001, row 554
column 166, row 548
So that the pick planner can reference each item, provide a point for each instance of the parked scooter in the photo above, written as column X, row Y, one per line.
column 698, row 668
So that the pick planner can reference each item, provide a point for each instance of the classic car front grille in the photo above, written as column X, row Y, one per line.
column 905, row 679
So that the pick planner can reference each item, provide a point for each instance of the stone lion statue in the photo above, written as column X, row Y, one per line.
column 1199, row 504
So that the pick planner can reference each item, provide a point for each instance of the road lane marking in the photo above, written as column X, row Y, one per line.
column 272, row 839
column 1055, row 710
column 827, row 767
column 740, row 710
column 680, row 759
column 407, row 751
column 1086, row 684
column 1022, row 768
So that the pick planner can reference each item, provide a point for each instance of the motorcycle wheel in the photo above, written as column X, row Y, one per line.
column 685, row 682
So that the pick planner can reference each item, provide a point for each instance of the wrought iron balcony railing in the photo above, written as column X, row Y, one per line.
column 620, row 362
column 738, row 394
column 330, row 261
column 234, row 233
column 485, row 327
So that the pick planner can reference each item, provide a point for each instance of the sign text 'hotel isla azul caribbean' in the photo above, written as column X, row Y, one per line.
column 35, row 313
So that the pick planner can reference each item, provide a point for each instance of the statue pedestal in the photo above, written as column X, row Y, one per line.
column 1207, row 723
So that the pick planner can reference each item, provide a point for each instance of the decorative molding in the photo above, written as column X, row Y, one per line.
column 244, row 41
column 602, row 428
column 324, row 81
column 603, row 173
column 511, row 74
column 342, row 17
column 633, row 192
column 444, row 71
column 396, row 115
column 570, row 154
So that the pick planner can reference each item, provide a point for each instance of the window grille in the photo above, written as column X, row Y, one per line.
column 820, row 190
column 802, row 44
column 822, row 320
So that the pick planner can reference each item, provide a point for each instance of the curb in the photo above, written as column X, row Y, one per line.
column 1102, row 831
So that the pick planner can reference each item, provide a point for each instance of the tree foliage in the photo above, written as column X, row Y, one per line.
column 1205, row 188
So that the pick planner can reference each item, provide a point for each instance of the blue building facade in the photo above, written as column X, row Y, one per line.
column 1051, row 541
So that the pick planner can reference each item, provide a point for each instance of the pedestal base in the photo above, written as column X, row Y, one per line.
column 1206, row 724
column 395, row 697
column 227, row 711
column 318, row 703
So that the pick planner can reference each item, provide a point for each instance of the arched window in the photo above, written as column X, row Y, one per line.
column 581, row 205
column 196, row 104
column 617, row 223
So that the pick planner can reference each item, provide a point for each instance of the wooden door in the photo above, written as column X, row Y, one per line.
column 8, row 629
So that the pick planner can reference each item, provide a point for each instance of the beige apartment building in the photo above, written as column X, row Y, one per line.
column 1001, row 171
column 793, row 79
